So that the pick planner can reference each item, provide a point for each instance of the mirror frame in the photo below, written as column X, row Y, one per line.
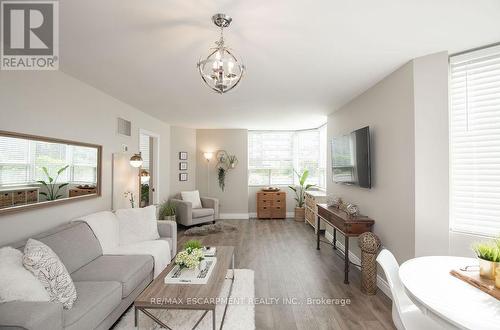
column 63, row 200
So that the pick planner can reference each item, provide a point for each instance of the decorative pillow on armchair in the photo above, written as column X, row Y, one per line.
column 193, row 197
column 137, row 225
column 40, row 260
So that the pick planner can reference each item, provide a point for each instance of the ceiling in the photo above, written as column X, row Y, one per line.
column 304, row 59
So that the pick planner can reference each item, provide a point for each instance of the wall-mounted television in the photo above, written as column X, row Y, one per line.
column 351, row 158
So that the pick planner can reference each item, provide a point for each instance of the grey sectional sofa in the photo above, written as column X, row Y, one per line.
column 106, row 284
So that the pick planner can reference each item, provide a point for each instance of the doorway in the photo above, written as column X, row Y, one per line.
column 149, row 146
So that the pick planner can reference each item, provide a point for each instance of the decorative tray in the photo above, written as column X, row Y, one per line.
column 178, row 276
column 473, row 278
column 270, row 189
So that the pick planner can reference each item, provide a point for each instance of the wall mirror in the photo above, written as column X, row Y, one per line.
column 39, row 171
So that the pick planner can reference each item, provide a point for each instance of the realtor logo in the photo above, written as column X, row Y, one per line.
column 29, row 35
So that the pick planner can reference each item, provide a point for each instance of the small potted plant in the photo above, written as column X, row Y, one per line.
column 167, row 211
column 488, row 254
column 300, row 191
column 190, row 258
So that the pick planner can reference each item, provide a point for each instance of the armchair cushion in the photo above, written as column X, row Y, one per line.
column 212, row 203
column 193, row 197
column 204, row 212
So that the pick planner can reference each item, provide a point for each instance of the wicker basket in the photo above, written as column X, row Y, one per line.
column 19, row 197
column 5, row 200
column 369, row 244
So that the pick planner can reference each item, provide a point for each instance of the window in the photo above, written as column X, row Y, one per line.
column 273, row 156
column 14, row 163
column 21, row 161
column 475, row 142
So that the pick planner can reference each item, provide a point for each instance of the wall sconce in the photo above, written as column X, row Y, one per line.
column 208, row 155
column 136, row 160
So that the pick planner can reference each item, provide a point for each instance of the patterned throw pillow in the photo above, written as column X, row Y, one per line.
column 50, row 271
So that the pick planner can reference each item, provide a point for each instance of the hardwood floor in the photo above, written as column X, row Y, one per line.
column 287, row 265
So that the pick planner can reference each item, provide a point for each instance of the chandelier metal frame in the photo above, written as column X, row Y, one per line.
column 222, row 21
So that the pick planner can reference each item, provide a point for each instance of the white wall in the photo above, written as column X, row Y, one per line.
column 234, row 199
column 56, row 105
column 431, row 154
column 388, row 109
column 182, row 139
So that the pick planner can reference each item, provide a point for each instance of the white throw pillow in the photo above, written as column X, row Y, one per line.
column 193, row 197
column 40, row 260
column 16, row 282
column 105, row 227
column 137, row 225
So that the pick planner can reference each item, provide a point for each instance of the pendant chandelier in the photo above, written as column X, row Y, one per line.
column 221, row 70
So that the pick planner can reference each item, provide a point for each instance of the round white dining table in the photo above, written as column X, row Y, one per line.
column 429, row 284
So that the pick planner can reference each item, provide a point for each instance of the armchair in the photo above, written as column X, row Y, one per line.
column 188, row 216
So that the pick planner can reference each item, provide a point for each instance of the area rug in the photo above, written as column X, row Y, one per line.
column 210, row 229
column 240, row 312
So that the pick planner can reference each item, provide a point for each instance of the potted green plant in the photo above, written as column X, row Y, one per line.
column 488, row 254
column 221, row 177
column 167, row 211
column 232, row 161
column 300, row 191
column 53, row 189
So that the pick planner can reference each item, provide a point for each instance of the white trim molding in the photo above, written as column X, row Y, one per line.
column 234, row 216
column 381, row 283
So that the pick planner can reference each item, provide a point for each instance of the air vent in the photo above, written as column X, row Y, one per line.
column 124, row 127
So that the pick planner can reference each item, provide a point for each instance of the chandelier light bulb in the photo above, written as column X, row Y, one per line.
column 221, row 70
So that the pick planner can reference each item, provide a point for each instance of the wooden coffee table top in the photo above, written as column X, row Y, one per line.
column 176, row 296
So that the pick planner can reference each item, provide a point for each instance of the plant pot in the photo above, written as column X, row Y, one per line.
column 487, row 268
column 300, row 214
column 169, row 218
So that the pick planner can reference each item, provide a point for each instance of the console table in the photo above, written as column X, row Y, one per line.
column 349, row 226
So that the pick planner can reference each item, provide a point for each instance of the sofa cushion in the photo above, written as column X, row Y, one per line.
column 75, row 244
column 137, row 225
column 203, row 212
column 129, row 270
column 105, row 227
column 96, row 300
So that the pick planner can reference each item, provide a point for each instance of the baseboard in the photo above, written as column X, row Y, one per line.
column 234, row 216
column 254, row 215
column 381, row 283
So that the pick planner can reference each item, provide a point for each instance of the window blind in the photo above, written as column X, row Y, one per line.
column 14, row 163
column 21, row 161
column 84, row 160
column 270, row 160
column 273, row 156
column 475, row 142
column 144, row 147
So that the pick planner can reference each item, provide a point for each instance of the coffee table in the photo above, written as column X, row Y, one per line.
column 159, row 295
